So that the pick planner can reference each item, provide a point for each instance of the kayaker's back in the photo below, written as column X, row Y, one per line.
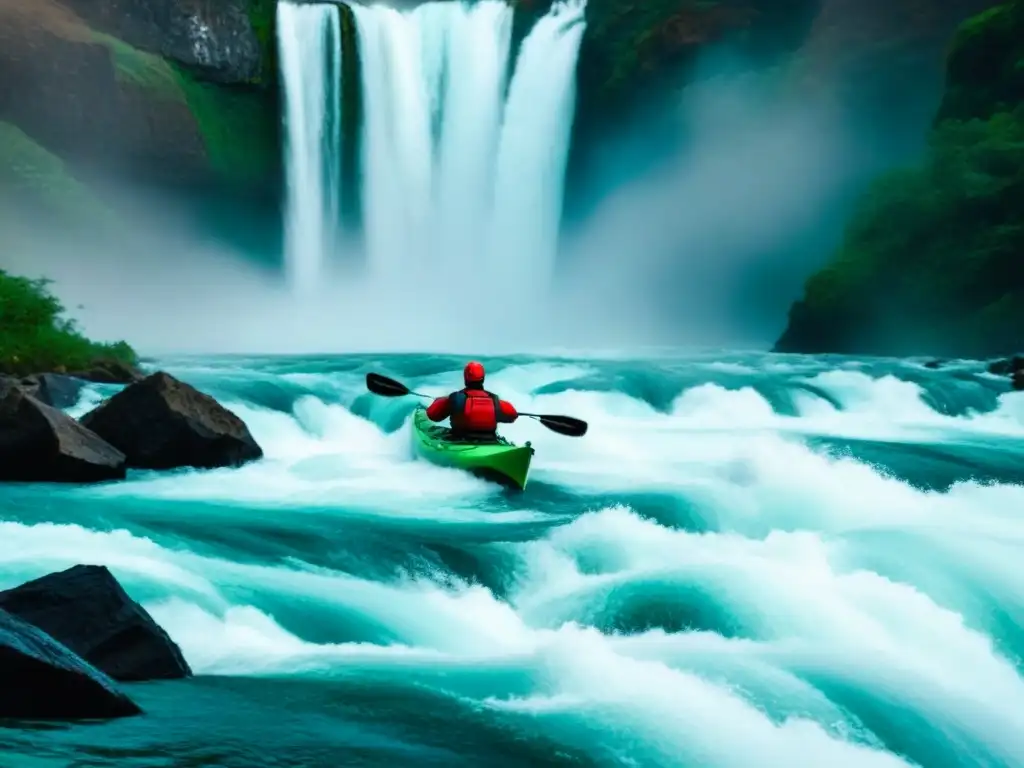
column 473, row 411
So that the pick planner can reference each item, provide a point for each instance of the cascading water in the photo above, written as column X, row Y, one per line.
column 309, row 41
column 535, row 146
column 463, row 152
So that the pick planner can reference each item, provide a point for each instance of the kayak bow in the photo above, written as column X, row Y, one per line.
column 501, row 461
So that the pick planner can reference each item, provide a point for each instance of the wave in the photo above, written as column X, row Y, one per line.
column 717, row 575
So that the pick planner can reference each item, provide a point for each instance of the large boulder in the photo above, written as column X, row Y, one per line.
column 53, row 389
column 163, row 423
column 40, row 679
column 39, row 443
column 87, row 610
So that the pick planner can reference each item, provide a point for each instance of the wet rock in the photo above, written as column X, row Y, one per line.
column 39, row 443
column 40, row 679
column 1018, row 380
column 163, row 423
column 1007, row 366
column 109, row 372
column 87, row 610
column 53, row 389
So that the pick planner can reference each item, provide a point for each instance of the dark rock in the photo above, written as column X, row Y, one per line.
column 1006, row 366
column 214, row 38
column 40, row 679
column 934, row 364
column 87, row 610
column 163, row 423
column 117, row 111
column 109, row 372
column 42, row 444
column 1018, row 380
column 53, row 389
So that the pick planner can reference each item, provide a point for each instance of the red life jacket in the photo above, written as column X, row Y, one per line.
column 474, row 410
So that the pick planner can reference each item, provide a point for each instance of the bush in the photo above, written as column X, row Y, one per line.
column 35, row 337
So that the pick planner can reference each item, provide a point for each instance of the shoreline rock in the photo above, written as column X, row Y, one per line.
column 88, row 611
column 40, row 679
column 53, row 389
column 163, row 423
column 1007, row 366
column 39, row 443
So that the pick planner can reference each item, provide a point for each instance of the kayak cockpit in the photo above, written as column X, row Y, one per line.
column 490, row 457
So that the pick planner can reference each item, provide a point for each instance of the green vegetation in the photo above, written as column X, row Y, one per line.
column 238, row 130
column 933, row 259
column 36, row 338
column 262, row 17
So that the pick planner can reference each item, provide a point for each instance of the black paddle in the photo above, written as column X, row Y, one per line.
column 563, row 425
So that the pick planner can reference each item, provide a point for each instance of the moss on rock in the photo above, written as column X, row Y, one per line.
column 263, row 18
column 240, row 137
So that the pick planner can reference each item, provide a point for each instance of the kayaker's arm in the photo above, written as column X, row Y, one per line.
column 439, row 410
column 507, row 412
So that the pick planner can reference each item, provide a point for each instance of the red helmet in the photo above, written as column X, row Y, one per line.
column 473, row 373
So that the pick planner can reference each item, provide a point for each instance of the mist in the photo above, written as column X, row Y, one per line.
column 666, row 258
column 712, row 245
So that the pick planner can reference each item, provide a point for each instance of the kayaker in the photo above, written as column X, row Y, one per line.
column 474, row 412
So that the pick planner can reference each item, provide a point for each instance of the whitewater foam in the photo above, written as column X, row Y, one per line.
column 798, row 606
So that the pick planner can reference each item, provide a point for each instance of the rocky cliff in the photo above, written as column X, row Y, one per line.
column 171, row 93
column 878, row 61
column 933, row 260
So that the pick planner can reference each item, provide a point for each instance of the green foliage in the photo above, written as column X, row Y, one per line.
column 933, row 258
column 940, row 246
column 263, row 18
column 986, row 64
column 35, row 337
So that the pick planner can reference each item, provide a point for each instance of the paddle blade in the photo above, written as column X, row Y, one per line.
column 565, row 425
column 382, row 385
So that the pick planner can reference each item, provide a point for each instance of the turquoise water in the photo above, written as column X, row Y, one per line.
column 750, row 560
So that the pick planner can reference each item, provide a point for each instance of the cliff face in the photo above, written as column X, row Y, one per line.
column 933, row 260
column 879, row 62
column 882, row 60
column 224, row 42
column 633, row 45
column 174, row 94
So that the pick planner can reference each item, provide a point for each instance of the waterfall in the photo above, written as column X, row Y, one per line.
column 309, row 46
column 464, row 143
column 534, row 149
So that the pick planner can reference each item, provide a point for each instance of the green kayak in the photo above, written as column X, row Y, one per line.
column 502, row 462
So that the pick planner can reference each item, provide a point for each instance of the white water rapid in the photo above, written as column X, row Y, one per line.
column 464, row 141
